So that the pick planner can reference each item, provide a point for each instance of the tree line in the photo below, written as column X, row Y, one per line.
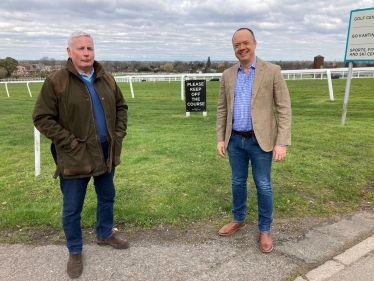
column 9, row 65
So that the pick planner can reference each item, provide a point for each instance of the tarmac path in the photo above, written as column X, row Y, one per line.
column 334, row 248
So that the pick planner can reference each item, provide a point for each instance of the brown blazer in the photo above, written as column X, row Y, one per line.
column 270, row 106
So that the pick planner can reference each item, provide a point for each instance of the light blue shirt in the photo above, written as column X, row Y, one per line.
column 242, row 119
column 89, row 77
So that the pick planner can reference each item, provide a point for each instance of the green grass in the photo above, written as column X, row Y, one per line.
column 171, row 173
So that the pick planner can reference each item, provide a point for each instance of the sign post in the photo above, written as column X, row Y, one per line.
column 360, row 45
column 195, row 96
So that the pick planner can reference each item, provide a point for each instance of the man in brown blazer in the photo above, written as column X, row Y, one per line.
column 253, row 125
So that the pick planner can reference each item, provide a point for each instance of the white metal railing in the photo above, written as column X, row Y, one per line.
column 358, row 72
column 22, row 79
column 168, row 78
column 331, row 73
column 18, row 81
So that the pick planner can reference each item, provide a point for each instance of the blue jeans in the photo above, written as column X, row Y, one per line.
column 74, row 192
column 242, row 150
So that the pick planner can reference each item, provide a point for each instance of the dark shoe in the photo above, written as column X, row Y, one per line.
column 230, row 228
column 114, row 242
column 75, row 265
column 266, row 243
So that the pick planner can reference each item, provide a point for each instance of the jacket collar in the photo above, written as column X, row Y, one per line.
column 99, row 70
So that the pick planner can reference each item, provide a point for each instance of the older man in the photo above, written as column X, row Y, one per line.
column 82, row 110
column 251, row 131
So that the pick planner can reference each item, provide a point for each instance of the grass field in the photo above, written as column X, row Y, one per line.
column 171, row 173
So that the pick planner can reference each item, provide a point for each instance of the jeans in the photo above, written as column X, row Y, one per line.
column 242, row 150
column 74, row 192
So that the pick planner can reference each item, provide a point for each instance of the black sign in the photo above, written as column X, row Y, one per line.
column 195, row 95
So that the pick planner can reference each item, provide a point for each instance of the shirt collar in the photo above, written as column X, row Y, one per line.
column 252, row 66
column 89, row 77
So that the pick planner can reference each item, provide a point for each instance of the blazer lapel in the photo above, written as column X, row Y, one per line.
column 231, row 86
column 259, row 74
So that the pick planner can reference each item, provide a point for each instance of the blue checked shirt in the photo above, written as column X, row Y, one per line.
column 242, row 119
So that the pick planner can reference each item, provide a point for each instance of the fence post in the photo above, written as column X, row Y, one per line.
column 6, row 88
column 28, row 88
column 329, row 82
column 37, row 151
column 182, row 86
column 131, row 89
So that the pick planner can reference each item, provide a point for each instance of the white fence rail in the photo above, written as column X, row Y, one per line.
column 359, row 72
column 21, row 81
column 332, row 73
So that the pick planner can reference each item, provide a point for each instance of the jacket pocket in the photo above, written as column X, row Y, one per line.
column 117, row 150
column 75, row 159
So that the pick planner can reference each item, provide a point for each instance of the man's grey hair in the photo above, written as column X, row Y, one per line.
column 76, row 34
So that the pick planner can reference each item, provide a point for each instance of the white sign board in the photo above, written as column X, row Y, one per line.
column 360, row 39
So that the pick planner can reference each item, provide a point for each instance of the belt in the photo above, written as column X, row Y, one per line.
column 248, row 134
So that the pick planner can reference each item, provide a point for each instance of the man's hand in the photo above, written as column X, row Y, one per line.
column 221, row 148
column 279, row 152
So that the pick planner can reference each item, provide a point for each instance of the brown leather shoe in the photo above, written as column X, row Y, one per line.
column 113, row 241
column 266, row 243
column 75, row 265
column 231, row 227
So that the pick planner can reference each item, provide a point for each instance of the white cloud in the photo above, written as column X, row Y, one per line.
column 160, row 30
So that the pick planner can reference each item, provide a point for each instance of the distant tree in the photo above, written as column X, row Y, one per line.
column 219, row 67
column 192, row 67
column 2, row 73
column 107, row 65
column 134, row 65
column 44, row 60
column 123, row 66
column 168, row 67
column 180, row 66
column 9, row 64
column 199, row 64
column 144, row 69
column 207, row 65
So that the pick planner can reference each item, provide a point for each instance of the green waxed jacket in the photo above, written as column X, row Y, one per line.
column 64, row 113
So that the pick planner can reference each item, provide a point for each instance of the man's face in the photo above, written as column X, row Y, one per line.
column 82, row 53
column 244, row 47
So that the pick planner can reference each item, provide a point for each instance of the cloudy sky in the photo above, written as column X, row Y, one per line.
column 169, row 30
